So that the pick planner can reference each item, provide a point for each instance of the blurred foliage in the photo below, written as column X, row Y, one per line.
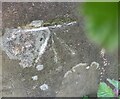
column 102, row 0
column 115, row 83
column 101, row 23
column 105, row 91
column 85, row 97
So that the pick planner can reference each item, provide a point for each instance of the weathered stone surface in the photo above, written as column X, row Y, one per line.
column 67, row 40
column 25, row 45
column 80, row 81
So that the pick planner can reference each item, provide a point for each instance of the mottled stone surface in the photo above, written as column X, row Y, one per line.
column 18, row 82
column 26, row 45
column 80, row 81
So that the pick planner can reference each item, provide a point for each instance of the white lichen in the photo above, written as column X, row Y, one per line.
column 95, row 64
column 67, row 73
column 87, row 67
column 44, row 87
column 35, row 77
column 39, row 67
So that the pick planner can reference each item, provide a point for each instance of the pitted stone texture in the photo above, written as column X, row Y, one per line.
column 25, row 45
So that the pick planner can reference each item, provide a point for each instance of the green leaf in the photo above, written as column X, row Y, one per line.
column 101, row 23
column 102, row 1
column 105, row 91
column 85, row 97
column 115, row 83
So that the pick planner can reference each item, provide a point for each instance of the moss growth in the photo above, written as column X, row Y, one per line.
column 51, row 22
column 58, row 21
